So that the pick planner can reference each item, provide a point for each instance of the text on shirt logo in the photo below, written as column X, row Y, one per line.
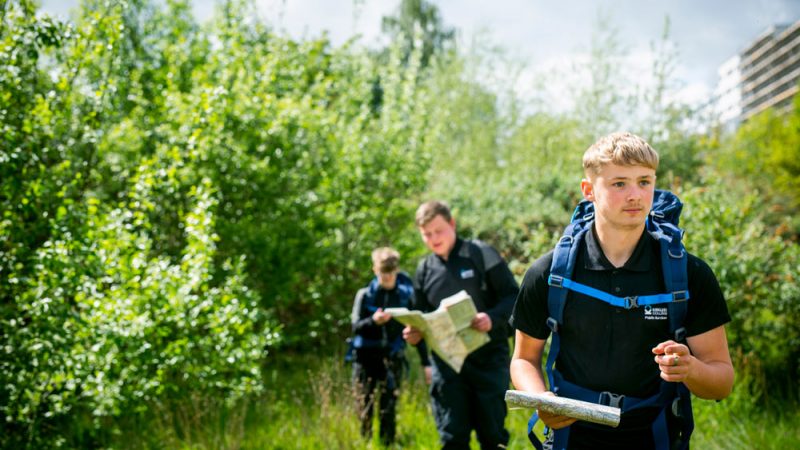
column 653, row 313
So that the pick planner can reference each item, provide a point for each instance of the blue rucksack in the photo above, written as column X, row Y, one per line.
column 405, row 292
column 662, row 224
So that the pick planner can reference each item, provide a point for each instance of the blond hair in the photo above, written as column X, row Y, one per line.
column 622, row 149
column 386, row 259
column 430, row 209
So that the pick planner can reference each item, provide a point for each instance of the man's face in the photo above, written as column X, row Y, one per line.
column 622, row 195
column 439, row 235
column 387, row 280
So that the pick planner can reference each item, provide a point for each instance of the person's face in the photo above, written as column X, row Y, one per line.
column 387, row 280
column 622, row 195
column 439, row 235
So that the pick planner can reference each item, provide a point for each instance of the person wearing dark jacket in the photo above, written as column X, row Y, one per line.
column 472, row 399
column 379, row 344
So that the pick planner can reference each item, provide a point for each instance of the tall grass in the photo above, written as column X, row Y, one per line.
column 309, row 404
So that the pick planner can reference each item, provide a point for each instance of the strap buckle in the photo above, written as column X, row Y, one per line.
column 680, row 334
column 680, row 296
column 676, row 254
column 552, row 324
column 610, row 399
column 555, row 280
column 631, row 302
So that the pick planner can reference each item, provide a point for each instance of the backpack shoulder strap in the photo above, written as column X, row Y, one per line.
column 484, row 257
column 476, row 254
column 355, row 315
column 563, row 264
column 405, row 289
column 662, row 224
column 561, row 268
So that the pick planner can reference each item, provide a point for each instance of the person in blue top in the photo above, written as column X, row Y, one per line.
column 379, row 344
column 625, row 356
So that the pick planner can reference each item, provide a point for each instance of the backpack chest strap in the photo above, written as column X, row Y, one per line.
column 613, row 300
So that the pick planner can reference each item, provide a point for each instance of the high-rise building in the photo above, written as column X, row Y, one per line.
column 763, row 75
column 770, row 70
column 727, row 104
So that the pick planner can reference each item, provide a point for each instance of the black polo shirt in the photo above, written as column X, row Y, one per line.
column 493, row 289
column 606, row 348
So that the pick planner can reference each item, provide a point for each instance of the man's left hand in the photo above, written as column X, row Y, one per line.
column 674, row 360
column 482, row 322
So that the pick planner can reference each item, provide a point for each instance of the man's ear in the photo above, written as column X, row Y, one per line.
column 587, row 189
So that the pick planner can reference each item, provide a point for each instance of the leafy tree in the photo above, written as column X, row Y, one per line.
column 418, row 19
column 96, row 317
column 764, row 152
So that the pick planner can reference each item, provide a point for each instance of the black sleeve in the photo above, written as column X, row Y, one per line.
column 422, row 349
column 420, row 300
column 360, row 318
column 502, row 283
column 530, row 311
column 707, row 308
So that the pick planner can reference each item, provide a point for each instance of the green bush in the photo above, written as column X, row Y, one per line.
column 172, row 191
column 757, row 270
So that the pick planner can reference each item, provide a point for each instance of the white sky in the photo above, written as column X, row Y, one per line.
column 549, row 33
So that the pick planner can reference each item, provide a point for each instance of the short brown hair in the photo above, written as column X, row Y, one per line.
column 623, row 149
column 430, row 209
column 386, row 259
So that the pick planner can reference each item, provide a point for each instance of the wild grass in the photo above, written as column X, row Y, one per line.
column 309, row 404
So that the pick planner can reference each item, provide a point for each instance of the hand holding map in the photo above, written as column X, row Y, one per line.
column 447, row 330
column 590, row 412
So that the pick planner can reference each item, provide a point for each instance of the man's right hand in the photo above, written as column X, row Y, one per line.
column 412, row 335
column 555, row 421
column 380, row 317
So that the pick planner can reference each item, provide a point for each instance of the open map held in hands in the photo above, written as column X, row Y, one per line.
column 446, row 330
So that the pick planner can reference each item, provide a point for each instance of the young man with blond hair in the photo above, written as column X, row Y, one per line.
column 613, row 332
column 379, row 345
column 474, row 397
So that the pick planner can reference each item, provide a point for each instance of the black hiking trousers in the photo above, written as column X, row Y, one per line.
column 376, row 377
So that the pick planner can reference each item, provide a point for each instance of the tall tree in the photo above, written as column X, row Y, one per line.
column 418, row 16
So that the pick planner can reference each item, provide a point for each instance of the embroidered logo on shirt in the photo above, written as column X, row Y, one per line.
column 654, row 313
column 467, row 273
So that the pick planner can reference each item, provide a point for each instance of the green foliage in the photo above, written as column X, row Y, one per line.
column 418, row 20
column 308, row 405
column 178, row 199
column 107, row 327
column 757, row 270
column 96, row 320
column 513, row 176
column 764, row 151
column 171, row 191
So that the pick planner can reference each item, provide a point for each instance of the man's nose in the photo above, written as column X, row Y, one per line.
column 635, row 193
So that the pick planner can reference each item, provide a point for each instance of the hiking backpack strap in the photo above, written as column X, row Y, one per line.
column 562, row 266
column 481, row 256
column 662, row 224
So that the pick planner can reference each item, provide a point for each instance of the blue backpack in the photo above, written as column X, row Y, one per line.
column 662, row 224
column 405, row 291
